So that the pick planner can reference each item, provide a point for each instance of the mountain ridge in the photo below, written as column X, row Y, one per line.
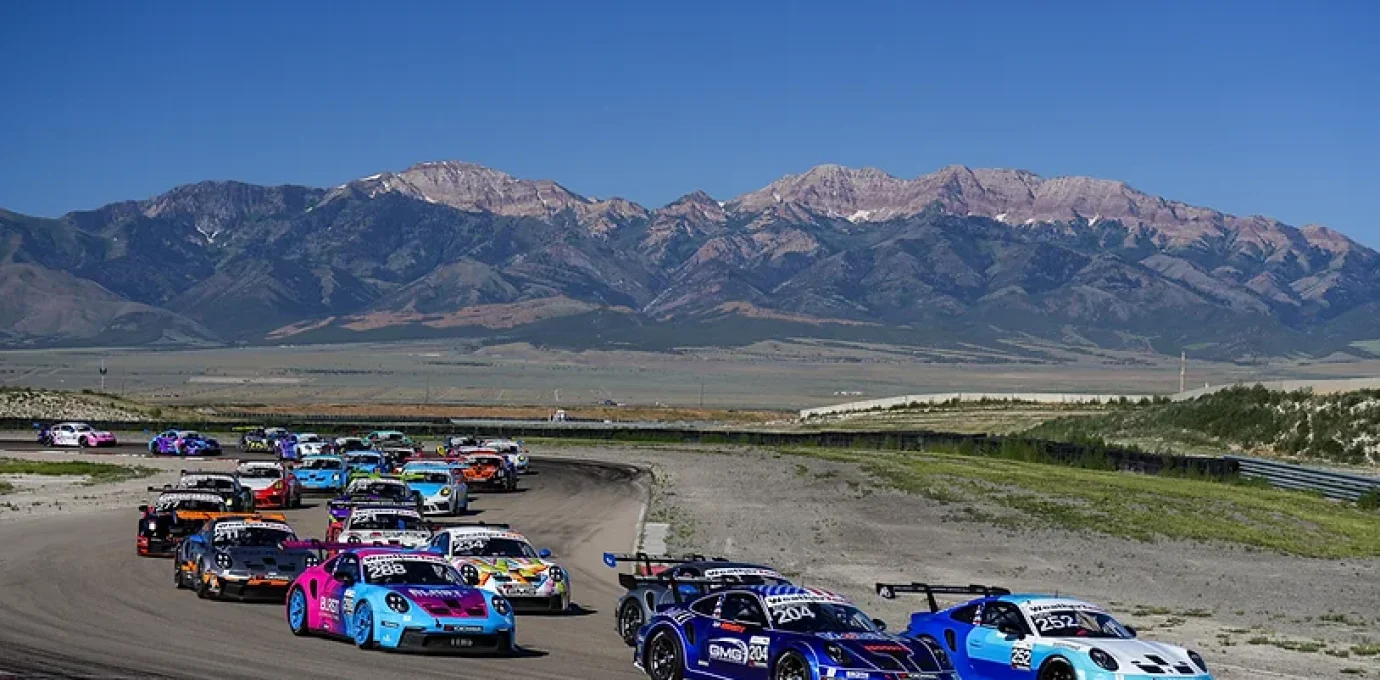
column 1009, row 250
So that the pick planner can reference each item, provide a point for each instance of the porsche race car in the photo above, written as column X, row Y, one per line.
column 259, row 440
column 321, row 473
column 381, row 524
column 489, row 471
column 311, row 444
column 414, row 601
column 238, row 497
column 174, row 515
column 1005, row 636
column 514, row 451
column 75, row 434
column 782, row 632
column 442, row 487
column 396, row 446
column 272, row 482
column 502, row 561
column 344, row 445
column 364, row 463
column 649, row 585
column 241, row 557
column 184, row 443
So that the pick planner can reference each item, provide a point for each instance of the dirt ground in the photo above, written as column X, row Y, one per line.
column 830, row 526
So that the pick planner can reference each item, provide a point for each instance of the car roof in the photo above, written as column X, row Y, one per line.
column 771, row 591
column 484, row 531
column 1045, row 601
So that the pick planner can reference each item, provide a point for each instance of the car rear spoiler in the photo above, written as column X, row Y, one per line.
column 486, row 525
column 631, row 581
column 644, row 561
column 347, row 503
column 203, row 515
column 888, row 591
column 228, row 493
column 326, row 546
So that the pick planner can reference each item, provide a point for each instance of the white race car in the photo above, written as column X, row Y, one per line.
column 502, row 561
column 514, row 451
column 388, row 526
column 442, row 486
column 310, row 444
column 75, row 434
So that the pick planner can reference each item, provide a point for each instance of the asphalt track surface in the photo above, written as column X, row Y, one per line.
column 75, row 600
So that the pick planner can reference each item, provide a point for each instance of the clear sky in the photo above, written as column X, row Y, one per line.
column 1249, row 107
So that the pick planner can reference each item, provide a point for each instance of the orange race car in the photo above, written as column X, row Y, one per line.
column 489, row 471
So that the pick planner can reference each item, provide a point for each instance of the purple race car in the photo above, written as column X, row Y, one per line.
column 184, row 443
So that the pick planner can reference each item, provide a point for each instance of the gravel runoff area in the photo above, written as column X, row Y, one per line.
column 1254, row 615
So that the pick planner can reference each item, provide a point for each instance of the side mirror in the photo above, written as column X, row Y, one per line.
column 1131, row 631
column 544, row 553
column 1011, row 629
column 880, row 624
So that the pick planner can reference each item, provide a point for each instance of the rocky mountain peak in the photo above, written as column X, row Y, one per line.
column 469, row 186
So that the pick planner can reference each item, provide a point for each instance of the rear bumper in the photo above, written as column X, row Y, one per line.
column 156, row 547
column 553, row 603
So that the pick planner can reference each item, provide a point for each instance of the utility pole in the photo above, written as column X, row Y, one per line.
column 103, row 374
column 701, row 393
column 1183, row 369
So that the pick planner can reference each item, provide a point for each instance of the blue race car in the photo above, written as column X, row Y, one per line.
column 321, row 473
column 364, row 463
column 395, row 599
column 443, row 488
column 777, row 632
column 285, row 447
column 184, row 443
column 1005, row 636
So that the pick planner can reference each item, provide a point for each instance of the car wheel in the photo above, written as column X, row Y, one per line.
column 629, row 620
column 664, row 659
column 203, row 585
column 1057, row 669
column 297, row 612
column 84, row 442
column 362, row 629
column 791, row 666
column 178, row 581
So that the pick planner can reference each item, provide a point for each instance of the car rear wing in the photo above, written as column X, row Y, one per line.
column 327, row 546
column 486, row 525
column 644, row 562
column 207, row 516
column 228, row 493
column 631, row 581
column 338, row 504
column 889, row 591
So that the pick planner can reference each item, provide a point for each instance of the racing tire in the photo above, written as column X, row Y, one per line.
column 84, row 443
column 1057, row 668
column 664, row 659
column 297, row 612
column 178, row 581
column 203, row 585
column 630, row 619
column 362, row 626
column 791, row 666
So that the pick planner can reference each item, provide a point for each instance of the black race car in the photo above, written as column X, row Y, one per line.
column 174, row 515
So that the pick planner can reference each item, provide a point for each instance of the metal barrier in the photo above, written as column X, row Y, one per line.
column 1338, row 485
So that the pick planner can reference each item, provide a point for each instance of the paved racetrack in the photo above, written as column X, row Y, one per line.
column 76, row 600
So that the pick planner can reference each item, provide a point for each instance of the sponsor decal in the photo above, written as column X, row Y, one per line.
column 886, row 648
column 757, row 650
column 805, row 598
column 728, row 650
column 742, row 571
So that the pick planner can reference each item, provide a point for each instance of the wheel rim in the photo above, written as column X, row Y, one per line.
column 663, row 658
column 297, row 610
column 790, row 668
column 631, row 621
column 1061, row 672
column 364, row 624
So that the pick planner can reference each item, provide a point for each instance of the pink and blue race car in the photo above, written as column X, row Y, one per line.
column 184, row 443
column 398, row 600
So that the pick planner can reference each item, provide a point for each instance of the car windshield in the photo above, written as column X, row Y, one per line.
column 405, row 571
column 254, row 433
column 380, row 489
column 323, row 464
column 187, row 434
column 251, row 536
column 386, row 521
column 365, row 460
column 427, row 476
column 820, row 617
column 82, row 428
column 1078, row 623
column 485, row 546
column 261, row 472
column 214, row 483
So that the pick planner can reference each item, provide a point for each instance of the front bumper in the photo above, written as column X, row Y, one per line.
column 108, row 441
column 273, row 589
column 460, row 637
column 271, row 499
column 544, row 599
column 320, row 486
column 441, row 505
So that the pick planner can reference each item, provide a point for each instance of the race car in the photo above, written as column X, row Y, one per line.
column 489, row 471
column 238, row 498
column 648, row 587
column 184, row 443
column 285, row 447
column 383, row 488
column 781, row 632
column 514, row 451
column 75, row 434
column 397, row 446
column 240, row 557
column 321, row 473
column 502, row 561
column 174, row 515
column 398, row 600
column 311, row 444
column 344, row 445
column 272, row 482
column 360, row 463
column 1005, row 636
column 387, row 525
column 442, row 488
column 257, row 440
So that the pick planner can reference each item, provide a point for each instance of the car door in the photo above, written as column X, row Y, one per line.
column 999, row 648
column 337, row 595
column 735, row 639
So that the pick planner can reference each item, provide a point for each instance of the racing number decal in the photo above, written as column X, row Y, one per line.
column 785, row 615
column 757, row 650
column 383, row 569
column 1020, row 655
column 1055, row 622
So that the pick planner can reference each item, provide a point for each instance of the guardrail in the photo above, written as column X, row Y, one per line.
column 1338, row 485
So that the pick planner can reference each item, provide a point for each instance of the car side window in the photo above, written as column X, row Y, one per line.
column 999, row 614
column 964, row 614
column 348, row 564
column 707, row 606
column 442, row 543
column 742, row 608
column 329, row 566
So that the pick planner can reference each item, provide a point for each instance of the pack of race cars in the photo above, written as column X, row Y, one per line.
column 386, row 576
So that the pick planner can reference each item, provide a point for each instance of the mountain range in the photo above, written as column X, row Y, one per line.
column 959, row 256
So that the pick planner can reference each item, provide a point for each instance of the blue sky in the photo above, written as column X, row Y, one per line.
column 1249, row 107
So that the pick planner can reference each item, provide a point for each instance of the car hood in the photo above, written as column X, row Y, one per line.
column 426, row 488
column 257, row 483
column 1143, row 655
column 885, row 652
column 446, row 600
column 526, row 568
column 314, row 473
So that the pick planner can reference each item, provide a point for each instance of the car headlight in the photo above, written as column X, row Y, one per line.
column 223, row 561
column 397, row 603
column 354, row 539
column 311, row 561
column 445, row 491
column 501, row 605
column 469, row 574
column 557, row 574
column 1197, row 660
column 153, row 525
column 1103, row 659
column 836, row 654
